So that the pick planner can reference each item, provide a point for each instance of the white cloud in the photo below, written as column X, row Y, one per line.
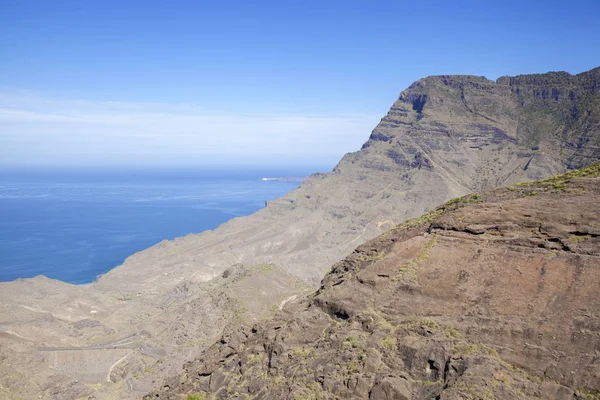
column 39, row 130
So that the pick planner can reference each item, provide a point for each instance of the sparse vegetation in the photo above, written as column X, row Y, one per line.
column 589, row 394
column 556, row 183
column 371, row 258
column 255, row 358
column 577, row 239
column 458, row 202
column 196, row 396
column 408, row 271
column 469, row 349
column 350, row 341
column 303, row 353
column 423, row 220
column 311, row 391
column 428, row 323
column 388, row 342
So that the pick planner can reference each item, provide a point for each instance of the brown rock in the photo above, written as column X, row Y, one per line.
column 436, row 309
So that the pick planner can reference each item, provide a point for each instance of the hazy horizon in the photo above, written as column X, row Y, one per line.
column 230, row 169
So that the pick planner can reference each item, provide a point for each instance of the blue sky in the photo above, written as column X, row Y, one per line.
column 265, row 82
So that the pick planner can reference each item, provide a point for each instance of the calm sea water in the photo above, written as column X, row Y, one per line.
column 74, row 226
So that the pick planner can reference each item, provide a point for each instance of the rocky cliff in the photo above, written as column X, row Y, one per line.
column 444, row 137
column 489, row 296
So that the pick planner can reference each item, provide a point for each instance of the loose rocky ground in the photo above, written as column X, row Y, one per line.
column 489, row 296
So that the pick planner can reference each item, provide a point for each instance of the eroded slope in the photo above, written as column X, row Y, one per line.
column 490, row 296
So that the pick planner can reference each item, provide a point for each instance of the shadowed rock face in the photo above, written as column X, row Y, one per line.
column 490, row 296
column 444, row 137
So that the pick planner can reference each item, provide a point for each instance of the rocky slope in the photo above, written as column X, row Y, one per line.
column 489, row 296
column 445, row 136
column 75, row 345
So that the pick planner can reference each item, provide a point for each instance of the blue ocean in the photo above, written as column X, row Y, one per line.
column 76, row 225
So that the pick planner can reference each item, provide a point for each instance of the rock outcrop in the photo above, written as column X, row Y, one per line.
column 489, row 296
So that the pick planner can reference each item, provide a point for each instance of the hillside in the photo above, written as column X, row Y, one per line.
column 444, row 137
column 489, row 296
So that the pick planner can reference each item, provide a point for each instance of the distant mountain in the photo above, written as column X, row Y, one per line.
column 444, row 137
column 489, row 296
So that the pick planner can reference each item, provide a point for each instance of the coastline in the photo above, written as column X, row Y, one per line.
column 82, row 232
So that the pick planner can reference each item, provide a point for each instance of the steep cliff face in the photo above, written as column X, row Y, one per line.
column 478, row 133
column 563, row 106
column 489, row 296
column 444, row 137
